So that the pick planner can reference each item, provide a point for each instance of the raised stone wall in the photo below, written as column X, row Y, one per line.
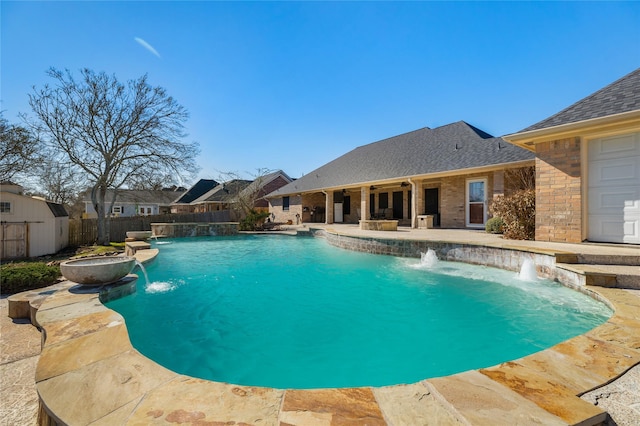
column 194, row 229
column 499, row 257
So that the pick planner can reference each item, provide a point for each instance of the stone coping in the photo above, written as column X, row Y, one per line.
column 89, row 373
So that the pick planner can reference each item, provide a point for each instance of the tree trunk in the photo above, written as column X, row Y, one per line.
column 98, row 195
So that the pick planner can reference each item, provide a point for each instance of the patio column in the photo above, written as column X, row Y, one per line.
column 364, row 203
column 417, row 201
column 328, row 215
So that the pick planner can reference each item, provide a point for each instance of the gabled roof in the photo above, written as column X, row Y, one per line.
column 224, row 192
column 455, row 146
column 260, row 183
column 135, row 196
column 196, row 191
column 618, row 97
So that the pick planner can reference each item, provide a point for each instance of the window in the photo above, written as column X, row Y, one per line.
column 476, row 211
column 5, row 207
column 285, row 203
column 145, row 210
column 116, row 210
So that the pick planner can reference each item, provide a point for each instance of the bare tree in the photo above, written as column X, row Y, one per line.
column 246, row 199
column 60, row 181
column 152, row 183
column 520, row 178
column 114, row 132
column 19, row 151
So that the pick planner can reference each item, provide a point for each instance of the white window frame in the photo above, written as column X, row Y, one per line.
column 467, row 202
column 142, row 210
column 116, row 209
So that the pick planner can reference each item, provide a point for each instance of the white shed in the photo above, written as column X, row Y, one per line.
column 30, row 226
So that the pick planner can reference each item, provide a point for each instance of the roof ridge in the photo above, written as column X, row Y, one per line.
column 394, row 137
column 474, row 129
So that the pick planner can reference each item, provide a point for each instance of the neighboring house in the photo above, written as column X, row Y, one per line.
column 221, row 197
column 183, row 204
column 450, row 172
column 30, row 226
column 129, row 202
column 263, row 186
column 588, row 167
column 225, row 195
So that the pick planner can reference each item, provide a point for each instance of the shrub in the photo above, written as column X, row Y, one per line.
column 17, row 277
column 495, row 225
column 253, row 220
column 518, row 211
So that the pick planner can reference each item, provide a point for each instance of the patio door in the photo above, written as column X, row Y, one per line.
column 431, row 204
column 476, row 203
column 397, row 204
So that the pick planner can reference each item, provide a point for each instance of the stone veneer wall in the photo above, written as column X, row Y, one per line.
column 194, row 229
column 503, row 258
column 558, row 191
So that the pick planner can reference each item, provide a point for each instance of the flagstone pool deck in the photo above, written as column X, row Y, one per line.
column 87, row 372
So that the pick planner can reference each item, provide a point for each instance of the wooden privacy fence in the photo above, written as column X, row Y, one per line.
column 85, row 231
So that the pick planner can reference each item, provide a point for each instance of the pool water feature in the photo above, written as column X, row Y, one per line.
column 293, row 312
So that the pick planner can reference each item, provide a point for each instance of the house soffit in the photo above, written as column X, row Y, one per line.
column 611, row 124
column 393, row 182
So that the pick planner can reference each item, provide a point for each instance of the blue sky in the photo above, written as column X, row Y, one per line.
column 293, row 85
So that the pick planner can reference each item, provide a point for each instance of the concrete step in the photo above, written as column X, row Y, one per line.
column 599, row 258
column 605, row 275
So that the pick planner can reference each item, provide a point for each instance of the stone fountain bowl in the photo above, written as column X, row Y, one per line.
column 139, row 235
column 97, row 270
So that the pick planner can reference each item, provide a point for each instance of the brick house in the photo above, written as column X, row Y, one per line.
column 209, row 196
column 588, row 167
column 450, row 172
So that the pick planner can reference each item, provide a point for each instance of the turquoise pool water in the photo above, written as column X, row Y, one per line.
column 292, row 312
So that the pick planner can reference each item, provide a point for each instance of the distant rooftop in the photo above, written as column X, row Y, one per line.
column 196, row 191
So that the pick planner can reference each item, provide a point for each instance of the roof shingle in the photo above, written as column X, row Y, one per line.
column 451, row 147
column 622, row 95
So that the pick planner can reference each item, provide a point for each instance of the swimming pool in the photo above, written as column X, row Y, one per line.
column 292, row 312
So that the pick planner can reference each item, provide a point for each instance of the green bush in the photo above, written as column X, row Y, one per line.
column 253, row 220
column 518, row 211
column 17, row 277
column 495, row 225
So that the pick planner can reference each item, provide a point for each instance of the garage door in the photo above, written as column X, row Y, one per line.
column 614, row 189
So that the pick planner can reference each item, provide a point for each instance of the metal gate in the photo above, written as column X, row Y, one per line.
column 14, row 238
